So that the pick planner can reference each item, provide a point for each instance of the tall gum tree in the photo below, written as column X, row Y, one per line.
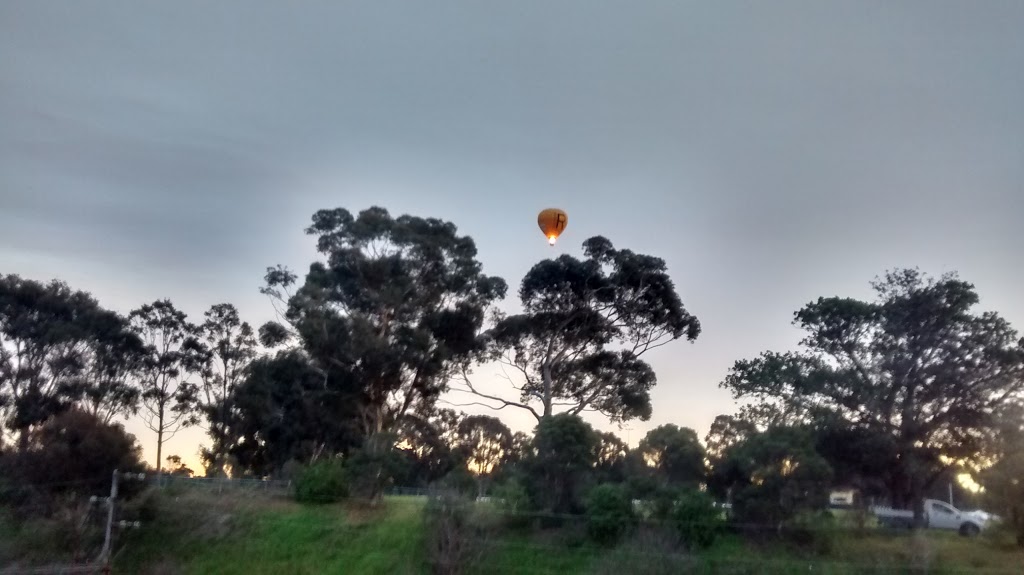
column 393, row 311
column 915, row 365
column 586, row 323
column 168, row 398
column 224, row 349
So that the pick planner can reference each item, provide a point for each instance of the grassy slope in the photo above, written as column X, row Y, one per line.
column 197, row 533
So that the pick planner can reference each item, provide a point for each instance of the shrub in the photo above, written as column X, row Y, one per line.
column 661, row 503
column 609, row 513
column 561, row 464
column 70, row 455
column 322, row 482
column 373, row 467
column 773, row 476
column 451, row 539
column 145, row 507
column 651, row 551
column 697, row 520
column 513, row 501
column 460, row 480
column 815, row 531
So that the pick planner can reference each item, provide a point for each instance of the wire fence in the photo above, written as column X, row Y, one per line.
column 222, row 483
column 276, row 486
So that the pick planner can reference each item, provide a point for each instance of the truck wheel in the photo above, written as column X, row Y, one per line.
column 969, row 530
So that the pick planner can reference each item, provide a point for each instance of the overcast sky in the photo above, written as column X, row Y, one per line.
column 770, row 152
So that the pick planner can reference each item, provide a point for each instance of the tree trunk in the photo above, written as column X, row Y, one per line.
column 159, row 448
column 899, row 491
column 917, row 497
column 23, row 440
column 216, row 452
column 546, row 375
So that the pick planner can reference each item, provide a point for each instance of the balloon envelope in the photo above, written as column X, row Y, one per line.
column 552, row 222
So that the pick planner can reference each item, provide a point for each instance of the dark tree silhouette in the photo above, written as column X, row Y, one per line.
column 726, row 431
column 675, row 454
column 110, row 388
column 283, row 411
column 427, row 446
column 168, row 398
column 177, row 468
column 770, row 476
column 560, row 463
column 916, row 365
column 394, row 309
column 1004, row 490
column 57, row 346
column 76, row 451
column 224, row 349
column 485, row 443
column 610, row 463
column 577, row 346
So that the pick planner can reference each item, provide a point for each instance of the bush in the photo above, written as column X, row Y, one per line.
column 561, row 464
column 513, row 501
column 609, row 513
column 651, row 551
column 815, row 531
column 661, row 503
column 322, row 482
column 373, row 467
column 70, row 455
column 776, row 496
column 69, row 533
column 451, row 539
column 697, row 520
column 460, row 480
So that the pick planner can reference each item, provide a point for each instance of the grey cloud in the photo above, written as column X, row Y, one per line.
column 771, row 152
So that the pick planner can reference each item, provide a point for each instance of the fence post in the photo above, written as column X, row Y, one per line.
column 105, row 553
column 104, row 557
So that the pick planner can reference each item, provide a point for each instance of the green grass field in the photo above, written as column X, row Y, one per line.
column 205, row 534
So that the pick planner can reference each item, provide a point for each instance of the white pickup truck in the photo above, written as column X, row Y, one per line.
column 937, row 515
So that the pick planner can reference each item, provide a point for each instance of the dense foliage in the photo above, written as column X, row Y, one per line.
column 916, row 366
column 323, row 481
column 58, row 347
column 558, row 470
column 585, row 326
column 393, row 311
column 696, row 518
column 675, row 454
column 772, row 476
column 609, row 513
column 72, row 454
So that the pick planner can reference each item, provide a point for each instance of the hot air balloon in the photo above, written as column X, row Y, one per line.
column 552, row 222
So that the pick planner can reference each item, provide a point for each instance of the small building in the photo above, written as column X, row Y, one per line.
column 843, row 497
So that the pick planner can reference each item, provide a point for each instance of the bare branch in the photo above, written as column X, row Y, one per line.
column 503, row 401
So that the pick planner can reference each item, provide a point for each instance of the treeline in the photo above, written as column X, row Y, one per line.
column 359, row 383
